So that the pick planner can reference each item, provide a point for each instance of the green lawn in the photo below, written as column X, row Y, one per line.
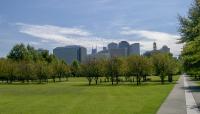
column 75, row 97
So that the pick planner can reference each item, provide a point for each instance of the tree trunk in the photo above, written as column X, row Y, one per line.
column 112, row 80
column 96, row 82
column 27, row 80
column 89, row 82
column 170, row 78
column 117, row 79
column 162, row 79
column 144, row 78
column 137, row 80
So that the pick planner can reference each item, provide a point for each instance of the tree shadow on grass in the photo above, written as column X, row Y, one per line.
column 18, row 83
column 197, row 106
column 194, row 80
column 192, row 88
column 123, row 84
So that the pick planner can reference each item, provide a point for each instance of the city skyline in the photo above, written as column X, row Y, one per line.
column 79, row 53
column 90, row 23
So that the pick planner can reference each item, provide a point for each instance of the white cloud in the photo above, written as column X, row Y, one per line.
column 79, row 36
column 63, row 35
column 53, row 29
column 153, row 35
column 161, row 38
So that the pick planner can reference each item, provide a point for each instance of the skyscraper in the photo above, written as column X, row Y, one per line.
column 94, row 51
column 123, row 44
column 112, row 46
column 71, row 53
column 134, row 49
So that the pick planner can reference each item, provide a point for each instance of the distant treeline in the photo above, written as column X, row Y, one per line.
column 24, row 64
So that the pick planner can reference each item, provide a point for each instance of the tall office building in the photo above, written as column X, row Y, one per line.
column 123, row 49
column 123, row 44
column 134, row 49
column 112, row 46
column 94, row 51
column 71, row 53
column 120, row 52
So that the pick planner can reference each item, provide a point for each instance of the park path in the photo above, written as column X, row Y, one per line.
column 183, row 99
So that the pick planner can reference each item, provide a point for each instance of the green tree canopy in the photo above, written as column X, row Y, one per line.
column 190, row 25
column 190, row 35
column 19, row 52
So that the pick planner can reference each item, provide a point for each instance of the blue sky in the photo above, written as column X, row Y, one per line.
column 51, row 23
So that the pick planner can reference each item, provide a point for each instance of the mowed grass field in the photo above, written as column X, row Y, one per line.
column 76, row 97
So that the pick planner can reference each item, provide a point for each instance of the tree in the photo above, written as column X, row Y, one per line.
column 190, row 26
column 147, row 68
column 124, row 70
column 19, row 52
column 41, row 71
column 113, row 69
column 25, row 71
column 87, row 71
column 173, row 68
column 191, row 56
column 97, row 70
column 161, row 65
column 190, row 35
column 75, row 68
column 138, row 66
column 61, row 69
column 10, row 70
column 7, row 70
column 2, row 64
column 52, row 71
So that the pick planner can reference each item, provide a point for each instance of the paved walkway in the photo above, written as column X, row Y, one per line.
column 181, row 100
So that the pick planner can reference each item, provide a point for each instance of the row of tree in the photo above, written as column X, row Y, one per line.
column 40, row 71
column 132, row 67
column 190, row 36
column 25, row 64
